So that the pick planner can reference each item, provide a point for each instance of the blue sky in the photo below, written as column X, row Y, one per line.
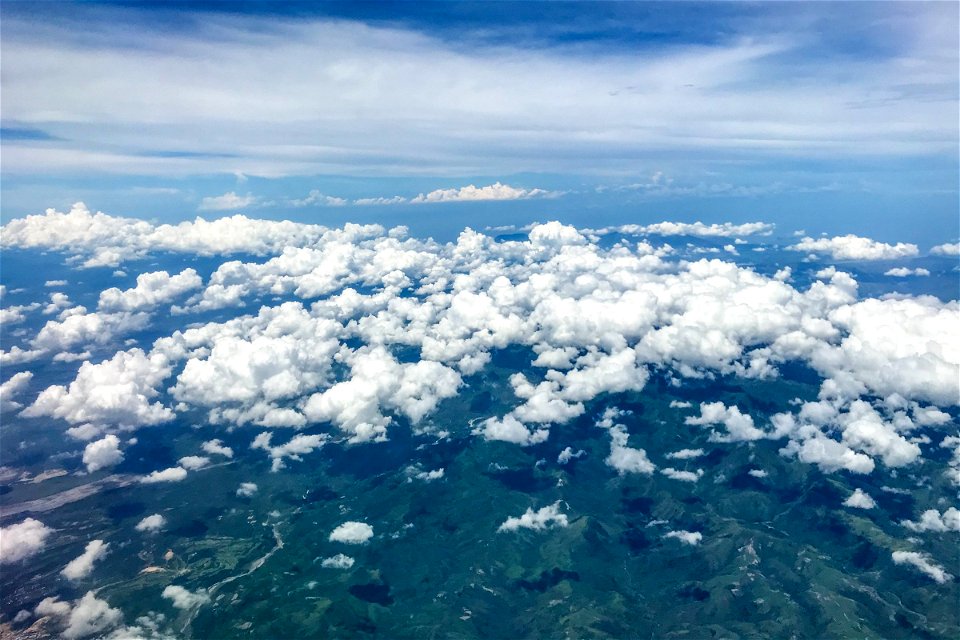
column 827, row 117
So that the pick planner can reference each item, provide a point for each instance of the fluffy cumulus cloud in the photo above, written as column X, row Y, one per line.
column 339, row 561
column 182, row 598
column 217, row 448
column 352, row 533
column 471, row 193
column 152, row 523
column 859, row 499
column 78, row 328
column 22, row 540
column 682, row 475
column 923, row 563
column 103, row 453
column 627, row 459
column 82, row 566
column 85, row 617
column 686, row 454
column 378, row 382
column 543, row 518
column 171, row 474
column 416, row 473
column 738, row 426
column 192, row 463
column 946, row 249
column 14, row 386
column 297, row 446
column 568, row 455
column 933, row 520
column 376, row 327
column 904, row 272
column 98, row 239
column 509, row 429
column 246, row 489
column 692, row 538
column 153, row 289
column 118, row 391
column 851, row 247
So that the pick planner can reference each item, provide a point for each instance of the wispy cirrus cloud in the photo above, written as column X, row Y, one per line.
column 484, row 107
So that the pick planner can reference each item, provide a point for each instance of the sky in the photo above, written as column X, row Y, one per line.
column 837, row 118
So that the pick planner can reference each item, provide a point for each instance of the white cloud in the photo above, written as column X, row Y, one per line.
column 116, row 391
column 152, row 290
column 294, row 448
column 192, row 463
column 946, row 249
column 696, row 229
column 851, row 247
column 253, row 367
column 103, row 453
column 903, row 272
column 859, row 499
column 55, row 283
column 53, row 607
column 555, row 234
column 181, row 598
column 509, row 429
column 60, row 302
column 339, row 561
column 686, row 454
column 98, row 239
column 684, row 476
column 78, row 327
column 352, row 533
column 217, row 448
column 379, row 382
column 364, row 202
column 924, row 563
column 739, row 426
column 317, row 199
column 539, row 520
column 933, row 520
column 84, row 432
column 597, row 320
column 151, row 523
column 85, row 617
column 626, row 459
column 14, row 386
column 688, row 537
column 415, row 472
column 247, row 489
column 567, row 455
column 172, row 474
column 229, row 201
column 471, row 193
column 829, row 454
column 758, row 473
column 22, row 540
column 562, row 109
column 82, row 566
